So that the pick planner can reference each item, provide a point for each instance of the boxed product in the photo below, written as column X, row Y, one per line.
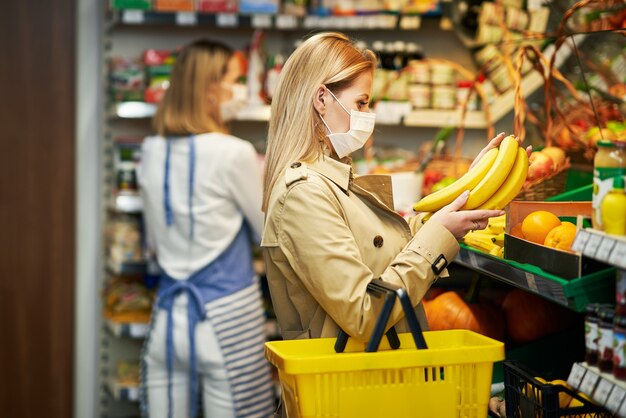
column 174, row 5
column 126, row 76
column 217, row 6
column 258, row 6
column 131, row 4
column 565, row 264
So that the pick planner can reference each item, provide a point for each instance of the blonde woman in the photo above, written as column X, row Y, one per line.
column 328, row 233
column 202, row 206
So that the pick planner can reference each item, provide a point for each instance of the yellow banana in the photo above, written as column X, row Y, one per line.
column 441, row 198
column 498, row 239
column 481, row 242
column 496, row 175
column 512, row 185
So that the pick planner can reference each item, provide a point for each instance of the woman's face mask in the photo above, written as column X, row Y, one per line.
column 361, row 128
column 239, row 99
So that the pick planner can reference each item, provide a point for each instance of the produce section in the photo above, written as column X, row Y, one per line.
column 418, row 94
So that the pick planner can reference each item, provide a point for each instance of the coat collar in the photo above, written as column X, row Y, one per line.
column 337, row 172
column 341, row 174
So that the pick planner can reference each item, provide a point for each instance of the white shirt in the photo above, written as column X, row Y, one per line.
column 227, row 190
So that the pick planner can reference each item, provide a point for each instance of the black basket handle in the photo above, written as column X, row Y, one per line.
column 390, row 291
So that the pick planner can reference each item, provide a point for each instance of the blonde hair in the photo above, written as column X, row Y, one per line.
column 190, row 104
column 295, row 128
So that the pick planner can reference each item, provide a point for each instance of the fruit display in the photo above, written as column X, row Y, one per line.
column 545, row 163
column 545, row 228
column 490, row 239
column 493, row 181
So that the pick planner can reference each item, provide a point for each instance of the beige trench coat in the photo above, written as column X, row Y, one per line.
column 328, row 235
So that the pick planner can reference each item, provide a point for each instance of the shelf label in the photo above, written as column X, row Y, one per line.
column 592, row 245
column 602, row 391
column 618, row 256
column 132, row 394
column 261, row 21
column 186, row 19
column 530, row 281
column 615, row 399
column 227, row 20
column 604, row 250
column 576, row 376
column 622, row 410
column 138, row 330
column 286, row 22
column 472, row 259
column 132, row 16
column 579, row 242
column 589, row 383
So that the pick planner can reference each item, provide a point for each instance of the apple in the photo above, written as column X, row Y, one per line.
column 540, row 166
column 557, row 154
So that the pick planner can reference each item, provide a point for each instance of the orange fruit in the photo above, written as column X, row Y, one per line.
column 516, row 231
column 561, row 237
column 537, row 225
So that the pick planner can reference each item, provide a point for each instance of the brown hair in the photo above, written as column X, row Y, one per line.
column 190, row 104
column 295, row 128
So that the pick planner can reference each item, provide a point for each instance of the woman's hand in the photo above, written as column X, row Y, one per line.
column 494, row 143
column 460, row 222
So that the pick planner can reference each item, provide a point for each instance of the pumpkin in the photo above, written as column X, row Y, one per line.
column 530, row 317
column 451, row 311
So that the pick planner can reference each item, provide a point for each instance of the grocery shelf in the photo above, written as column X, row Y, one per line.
column 142, row 110
column 435, row 118
column 602, row 387
column 574, row 294
column 122, row 391
column 127, row 329
column 596, row 244
column 378, row 21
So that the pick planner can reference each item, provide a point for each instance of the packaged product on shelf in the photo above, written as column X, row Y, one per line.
column 126, row 79
column 124, row 240
column 516, row 19
column 258, row 6
column 217, row 6
column 271, row 79
column 609, row 162
column 174, row 5
column 397, row 87
column 619, row 345
column 591, row 333
column 605, row 339
column 419, row 72
column 131, row 4
column 443, row 97
column 463, row 90
column 422, row 7
column 442, row 73
column 420, row 95
column 538, row 20
column 613, row 208
column 379, row 84
column 127, row 372
column 127, row 300
column 294, row 7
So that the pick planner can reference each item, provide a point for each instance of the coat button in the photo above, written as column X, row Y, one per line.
column 295, row 165
column 378, row 241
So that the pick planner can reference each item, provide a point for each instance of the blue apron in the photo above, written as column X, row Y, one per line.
column 221, row 285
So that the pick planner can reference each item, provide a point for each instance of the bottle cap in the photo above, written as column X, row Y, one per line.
column 618, row 182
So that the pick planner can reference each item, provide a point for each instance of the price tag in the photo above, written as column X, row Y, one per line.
column 132, row 16
column 592, row 245
column 602, row 391
column 576, row 376
column 604, row 250
column 261, row 21
column 473, row 259
column 589, row 382
column 138, row 330
column 622, row 410
column 530, row 280
column 618, row 256
column 286, row 22
column 615, row 399
column 227, row 20
column 186, row 19
column 579, row 242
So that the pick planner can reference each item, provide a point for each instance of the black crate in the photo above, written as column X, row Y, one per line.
column 527, row 397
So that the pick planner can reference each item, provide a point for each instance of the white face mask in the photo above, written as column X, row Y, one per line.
column 230, row 108
column 361, row 128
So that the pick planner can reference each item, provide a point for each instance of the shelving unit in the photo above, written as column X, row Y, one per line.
column 602, row 247
column 602, row 387
column 574, row 294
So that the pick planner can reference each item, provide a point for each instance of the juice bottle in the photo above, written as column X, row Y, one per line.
column 609, row 162
column 613, row 208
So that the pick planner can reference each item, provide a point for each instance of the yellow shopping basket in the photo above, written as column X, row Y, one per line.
column 449, row 379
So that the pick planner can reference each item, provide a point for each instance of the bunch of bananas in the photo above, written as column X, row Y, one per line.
column 493, row 182
column 490, row 239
